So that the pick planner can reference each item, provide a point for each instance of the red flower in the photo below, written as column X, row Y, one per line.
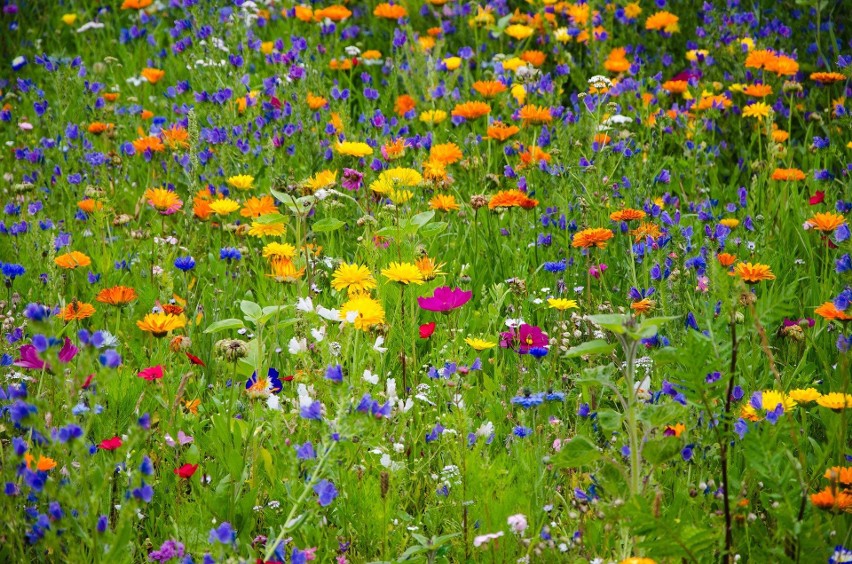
column 817, row 198
column 194, row 359
column 187, row 470
column 88, row 381
column 111, row 444
column 152, row 373
column 426, row 330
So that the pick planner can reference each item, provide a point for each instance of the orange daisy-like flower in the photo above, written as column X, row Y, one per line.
column 760, row 58
column 164, row 201
column 827, row 77
column 627, row 214
column 826, row 222
column 535, row 58
column 443, row 202
column 111, row 96
column 316, row 102
column 788, row 174
column 643, row 306
column 72, row 260
column 75, row 311
column 617, row 60
column 757, row 90
column 390, row 11
column 404, row 104
column 753, row 273
column 601, row 139
column 489, row 88
column 829, row 311
column 593, row 237
column 530, row 114
column 176, row 137
column 394, row 149
column 256, row 207
column 831, row 499
column 662, row 21
column 839, row 475
column 335, row 13
column 135, row 4
column 719, row 102
column 153, row 75
column 89, row 205
column 117, row 295
column 160, row 324
column 97, row 127
column 500, row 131
column 645, row 230
column 471, row 110
column 534, row 155
column 675, row 86
column 150, row 143
column 446, row 153
column 726, row 259
column 783, row 65
column 44, row 464
column 511, row 199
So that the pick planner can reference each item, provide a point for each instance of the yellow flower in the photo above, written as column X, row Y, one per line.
column 399, row 197
column 69, row 19
column 428, row 268
column 452, row 63
column 392, row 178
column 159, row 324
column 433, row 116
column 403, row 272
column 561, row 304
column 835, row 401
column 72, row 260
column 519, row 32
column 807, row 395
column 443, row 202
column 769, row 401
column 162, row 199
column 478, row 344
column 263, row 229
column 277, row 250
column 284, row 270
column 368, row 312
column 322, row 179
column 352, row 277
column 730, row 222
column 224, row 206
column 241, row 181
column 354, row 149
column 757, row 110
column 753, row 273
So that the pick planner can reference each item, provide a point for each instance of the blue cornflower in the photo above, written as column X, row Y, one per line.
column 230, row 253
column 520, row 431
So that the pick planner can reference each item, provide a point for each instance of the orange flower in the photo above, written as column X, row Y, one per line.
column 394, row 149
column 72, row 260
column 390, row 11
column 675, row 86
column 111, row 96
column 489, row 88
column 827, row 77
column 719, row 102
column 627, row 214
column 726, row 259
column 535, row 58
column 839, row 475
column 511, row 199
column 788, row 174
column 146, row 114
column 117, row 295
column 826, row 222
column 753, row 273
column 760, row 58
column 75, row 311
column 643, row 306
column 617, row 60
column 316, row 102
column 530, row 114
column 601, row 139
column 302, row 13
column 829, row 311
column 646, row 230
column 176, row 137
column 201, row 208
column 833, row 500
column 500, row 131
column 404, row 104
column 471, row 110
column 335, row 13
column 153, row 75
column 135, row 4
column 757, row 90
column 593, row 237
column 96, row 128
column 441, row 202
column 783, row 66
column 256, row 207
column 88, row 205
column 534, row 155
column 446, row 153
column 662, row 21
column 44, row 463
column 151, row 142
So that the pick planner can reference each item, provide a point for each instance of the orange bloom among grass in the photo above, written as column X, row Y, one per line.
column 830, row 312
column 753, row 273
column 592, row 237
column 511, row 199
column 788, row 174
column 627, row 214
column 826, row 222
column 72, row 260
column 117, row 295
column 501, row 132
column 535, row 115
column 76, row 311
column 161, row 324
column 471, row 110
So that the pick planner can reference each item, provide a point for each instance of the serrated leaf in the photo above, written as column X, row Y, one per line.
column 328, row 224
column 598, row 346
column 224, row 325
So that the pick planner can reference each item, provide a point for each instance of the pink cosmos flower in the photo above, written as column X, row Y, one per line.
column 445, row 299
column 528, row 337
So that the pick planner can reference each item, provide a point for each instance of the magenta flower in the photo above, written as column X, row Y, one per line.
column 352, row 179
column 528, row 337
column 31, row 359
column 445, row 299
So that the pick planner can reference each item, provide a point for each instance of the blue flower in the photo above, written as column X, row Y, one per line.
column 520, row 431
column 326, row 492
column 144, row 492
column 436, row 432
column 224, row 534
column 184, row 263
column 334, row 373
column 741, row 428
column 305, row 451
column 313, row 411
column 230, row 253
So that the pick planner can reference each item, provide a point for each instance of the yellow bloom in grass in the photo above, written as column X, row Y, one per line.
column 283, row 270
column 452, row 63
column 428, row 268
column 561, row 304
column 322, row 179
column 443, row 202
column 279, row 251
column 162, row 199
column 433, row 116
column 478, row 344
column 72, row 260
column 757, row 110
column 354, row 149
column 352, row 277
column 835, row 401
column 399, row 197
column 730, row 222
column 241, row 181
column 806, row 395
column 518, row 31
column 266, row 229
column 224, row 206
column 637, row 560
column 69, row 19
column 403, row 272
column 764, row 402
column 160, row 324
column 367, row 312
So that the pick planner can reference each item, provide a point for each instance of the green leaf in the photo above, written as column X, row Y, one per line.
column 328, row 224
column 658, row 451
column 224, row 325
column 663, row 414
column 612, row 322
column 598, row 346
column 422, row 218
column 251, row 310
column 609, row 420
column 579, row 451
column 649, row 327
column 433, row 229
column 600, row 375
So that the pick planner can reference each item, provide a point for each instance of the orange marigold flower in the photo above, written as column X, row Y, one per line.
column 719, row 102
column 96, row 128
column 643, row 306
column 390, row 11
column 89, row 205
column 662, row 21
column 531, row 114
column 151, row 142
column 831, row 499
column 316, row 102
column 489, row 88
column 593, row 237
column 675, row 86
column 443, row 202
column 646, row 230
column 404, row 104
column 759, row 59
column 75, row 311
column 471, row 110
column 601, row 139
column 617, row 60
column 72, row 260
column 153, row 75
column 135, row 4
column 788, row 174
column 534, row 155
column 839, row 475
column 111, row 96
column 758, row 90
column 535, row 58
column 146, row 114
column 726, row 259
column 117, row 295
column 779, row 135
column 627, row 214
column 753, row 273
column 446, row 153
column 256, row 207
column 829, row 311
column 511, row 199
column 826, row 222
column 44, row 464
column 201, row 208
column 176, row 137
column 827, row 77
column 500, row 131
column 783, row 66
column 335, row 13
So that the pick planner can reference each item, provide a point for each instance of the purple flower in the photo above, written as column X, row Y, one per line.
column 445, row 299
column 326, row 492
column 305, row 451
column 527, row 338
column 30, row 359
column 224, row 534
column 352, row 179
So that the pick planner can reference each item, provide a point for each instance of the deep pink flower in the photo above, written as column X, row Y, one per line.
column 426, row 330
column 68, row 351
column 111, row 444
column 528, row 337
column 445, row 299
column 31, row 359
column 152, row 373
column 352, row 179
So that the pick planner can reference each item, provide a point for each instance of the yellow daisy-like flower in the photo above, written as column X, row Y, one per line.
column 444, row 202
column 399, row 197
column 428, row 268
column 403, row 272
column 322, row 179
column 561, row 304
column 283, row 270
column 394, row 178
column 160, row 324
column 224, row 206
column 352, row 277
column 433, row 116
column 835, row 401
column 354, row 149
column 368, row 312
column 279, row 251
column 730, row 222
column 769, row 401
column 806, row 395
column 452, row 63
column 478, row 344
column 262, row 229
column 757, row 110
column 518, row 31
column 241, row 181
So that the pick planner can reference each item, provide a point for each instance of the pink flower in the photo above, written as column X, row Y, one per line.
column 111, row 444
column 445, row 299
column 518, row 523
column 152, row 373
column 31, row 359
column 426, row 330
column 528, row 337
column 482, row 539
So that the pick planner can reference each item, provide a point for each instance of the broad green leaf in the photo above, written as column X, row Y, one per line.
column 598, row 346
column 224, row 325
column 422, row 218
column 609, row 420
column 658, row 451
column 601, row 375
column 251, row 310
column 577, row 452
column 611, row 321
column 328, row 224
column 433, row 229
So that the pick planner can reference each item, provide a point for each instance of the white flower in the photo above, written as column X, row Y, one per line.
column 305, row 304
column 485, row 430
column 351, row 51
column 514, row 323
column 272, row 402
column 137, row 80
column 330, row 314
column 370, row 377
column 378, row 346
column 297, row 346
column 318, row 334
column 352, row 316
column 89, row 25
column 518, row 523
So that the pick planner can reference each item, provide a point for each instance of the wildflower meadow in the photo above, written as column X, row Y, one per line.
column 426, row 281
